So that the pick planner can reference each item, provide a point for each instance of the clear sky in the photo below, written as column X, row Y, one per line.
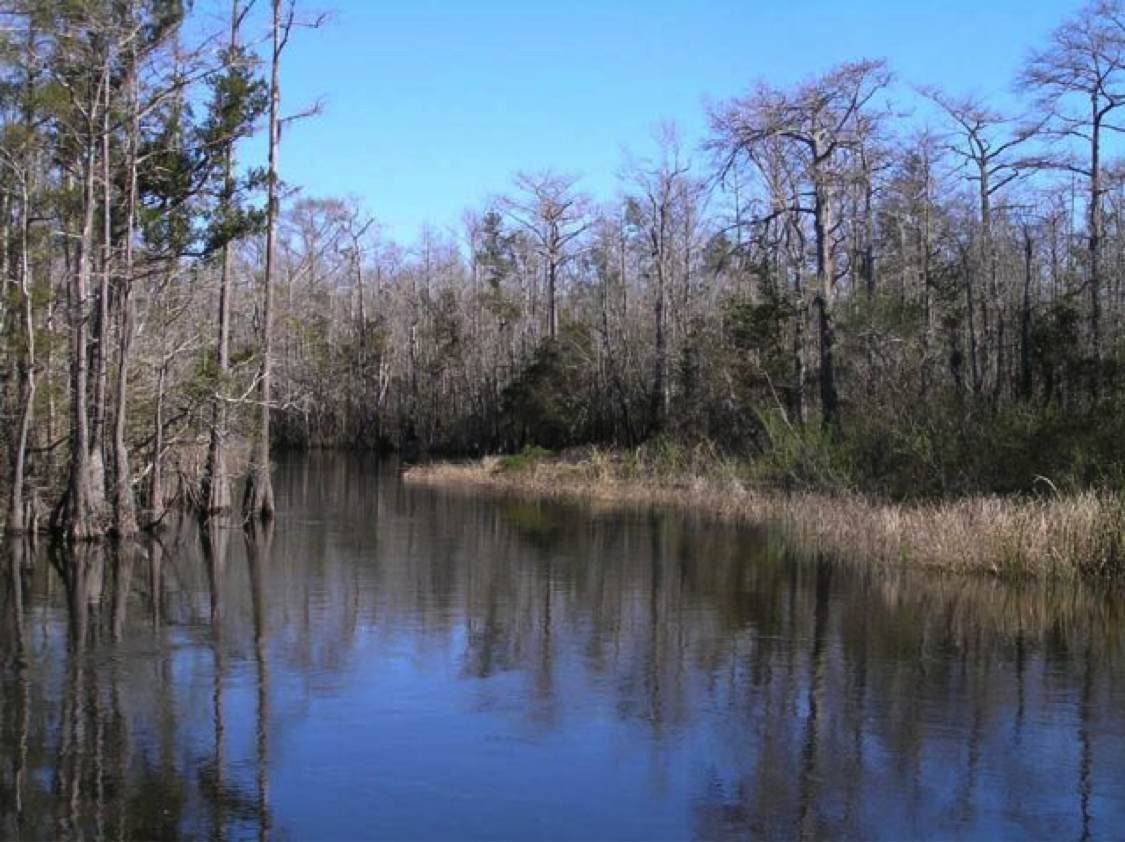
column 432, row 105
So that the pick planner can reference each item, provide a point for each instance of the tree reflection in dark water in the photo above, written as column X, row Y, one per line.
column 392, row 662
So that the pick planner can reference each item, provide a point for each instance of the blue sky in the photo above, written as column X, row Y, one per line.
column 433, row 105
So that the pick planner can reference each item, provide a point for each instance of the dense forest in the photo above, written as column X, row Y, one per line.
column 853, row 281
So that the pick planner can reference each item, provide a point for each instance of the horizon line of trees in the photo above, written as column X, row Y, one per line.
column 938, row 303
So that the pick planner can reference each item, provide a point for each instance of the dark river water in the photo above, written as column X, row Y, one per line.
column 398, row 662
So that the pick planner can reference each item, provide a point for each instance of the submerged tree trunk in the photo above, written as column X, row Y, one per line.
column 80, row 516
column 100, row 347
column 124, row 503
column 216, row 484
column 17, row 520
column 258, row 500
column 156, row 467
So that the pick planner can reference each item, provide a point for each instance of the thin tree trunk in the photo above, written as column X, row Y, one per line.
column 552, row 305
column 258, row 500
column 970, row 315
column 80, row 516
column 124, row 504
column 156, row 471
column 17, row 521
column 1025, row 318
column 216, row 485
column 1095, row 238
column 101, row 337
column 824, row 304
column 660, row 391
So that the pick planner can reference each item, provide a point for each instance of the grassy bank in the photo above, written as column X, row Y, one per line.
column 1052, row 536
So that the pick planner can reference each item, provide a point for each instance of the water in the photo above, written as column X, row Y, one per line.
column 396, row 662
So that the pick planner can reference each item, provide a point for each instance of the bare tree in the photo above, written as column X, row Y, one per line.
column 819, row 121
column 986, row 143
column 1078, row 81
column 556, row 215
column 661, row 200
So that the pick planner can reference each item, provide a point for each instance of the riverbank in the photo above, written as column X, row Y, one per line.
column 1057, row 536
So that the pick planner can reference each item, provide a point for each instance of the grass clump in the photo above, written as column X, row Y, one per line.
column 525, row 460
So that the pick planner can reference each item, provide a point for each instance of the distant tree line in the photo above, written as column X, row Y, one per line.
column 919, row 306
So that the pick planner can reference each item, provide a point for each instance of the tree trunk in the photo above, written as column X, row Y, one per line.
column 258, row 500
column 17, row 521
column 988, row 292
column 660, row 390
column 124, row 504
column 156, row 471
column 80, row 516
column 1095, row 238
column 1025, row 318
column 970, row 315
column 216, row 485
column 101, row 324
column 552, row 305
column 800, row 319
column 824, row 303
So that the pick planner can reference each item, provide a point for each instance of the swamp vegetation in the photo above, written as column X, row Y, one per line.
column 858, row 321
column 854, row 288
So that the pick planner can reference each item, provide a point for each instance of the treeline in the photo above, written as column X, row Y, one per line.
column 121, row 198
column 915, row 303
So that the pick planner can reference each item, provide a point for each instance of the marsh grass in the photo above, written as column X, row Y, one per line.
column 1080, row 535
column 521, row 461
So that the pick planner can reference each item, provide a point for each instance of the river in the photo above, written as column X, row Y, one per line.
column 394, row 662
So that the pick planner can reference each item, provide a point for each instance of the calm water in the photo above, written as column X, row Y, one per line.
column 392, row 662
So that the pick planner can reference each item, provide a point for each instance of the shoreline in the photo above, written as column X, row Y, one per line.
column 1067, row 536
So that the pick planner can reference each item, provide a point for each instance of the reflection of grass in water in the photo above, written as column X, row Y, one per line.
column 537, row 523
column 1067, row 612
column 895, row 608
column 1063, row 536
column 528, row 518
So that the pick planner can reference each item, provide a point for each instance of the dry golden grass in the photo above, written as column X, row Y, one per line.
column 1082, row 535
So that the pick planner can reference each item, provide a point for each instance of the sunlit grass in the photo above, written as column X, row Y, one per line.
column 1057, row 536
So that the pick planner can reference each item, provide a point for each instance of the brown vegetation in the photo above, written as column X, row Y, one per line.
column 1060, row 536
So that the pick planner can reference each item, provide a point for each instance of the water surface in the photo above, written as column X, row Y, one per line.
column 398, row 662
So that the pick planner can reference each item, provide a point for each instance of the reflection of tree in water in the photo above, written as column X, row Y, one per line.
column 98, row 740
column 842, row 689
column 213, row 540
column 824, row 700
column 922, row 692
column 17, row 698
column 259, row 537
